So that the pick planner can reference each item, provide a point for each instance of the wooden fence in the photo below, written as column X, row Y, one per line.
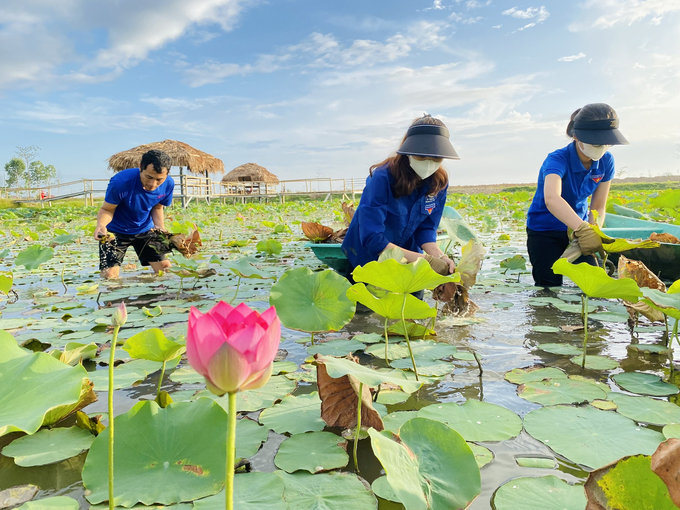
column 191, row 187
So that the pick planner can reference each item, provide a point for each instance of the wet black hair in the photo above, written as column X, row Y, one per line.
column 158, row 159
column 591, row 112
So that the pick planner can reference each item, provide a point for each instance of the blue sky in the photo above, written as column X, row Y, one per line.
column 314, row 88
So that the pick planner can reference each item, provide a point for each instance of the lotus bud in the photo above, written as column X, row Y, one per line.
column 233, row 347
column 119, row 315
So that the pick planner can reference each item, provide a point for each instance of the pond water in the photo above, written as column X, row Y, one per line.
column 502, row 333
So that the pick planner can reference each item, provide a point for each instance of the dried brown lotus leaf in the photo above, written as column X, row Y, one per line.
column 315, row 231
column 666, row 464
column 664, row 238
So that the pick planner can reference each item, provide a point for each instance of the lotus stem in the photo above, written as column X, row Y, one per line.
column 63, row 268
column 112, row 360
column 238, row 284
column 408, row 342
column 160, row 381
column 231, row 452
column 312, row 338
column 386, row 343
column 584, row 312
column 356, row 434
column 479, row 362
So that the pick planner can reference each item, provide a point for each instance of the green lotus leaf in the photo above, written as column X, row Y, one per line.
column 629, row 484
column 393, row 421
column 294, row 415
column 432, row 467
column 483, row 455
column 337, row 347
column 252, row 491
column 382, row 488
column 75, row 352
column 284, row 367
column 589, row 436
column 401, row 278
column 6, row 281
column 672, row 430
column 560, row 391
column 244, row 269
column 53, row 503
column 269, row 246
column 475, row 420
column 456, row 227
column 516, row 262
column 326, row 491
column 154, row 312
column 596, row 362
column 546, row 329
column 470, row 262
column 37, row 389
column 157, row 456
column 645, row 384
column 391, row 397
column 253, row 400
column 666, row 302
column 394, row 351
column 186, row 375
column 313, row 452
column 390, row 305
column 63, row 239
column 426, row 367
column 48, row 446
column 618, row 245
column 539, row 493
column 536, row 462
column 645, row 409
column 312, row 302
column 594, row 282
column 533, row 374
column 431, row 350
column 151, row 344
column 33, row 256
column 415, row 330
column 338, row 367
column 675, row 288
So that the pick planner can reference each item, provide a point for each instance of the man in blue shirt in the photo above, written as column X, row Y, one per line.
column 132, row 207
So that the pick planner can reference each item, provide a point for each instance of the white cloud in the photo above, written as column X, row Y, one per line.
column 476, row 4
column 537, row 14
column 571, row 58
column 497, row 26
column 436, row 5
column 625, row 12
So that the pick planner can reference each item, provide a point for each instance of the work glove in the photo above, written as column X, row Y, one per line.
column 437, row 265
column 589, row 241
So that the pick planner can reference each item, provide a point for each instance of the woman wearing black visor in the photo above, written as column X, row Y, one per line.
column 568, row 178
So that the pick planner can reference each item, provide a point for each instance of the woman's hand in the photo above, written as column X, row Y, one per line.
column 440, row 265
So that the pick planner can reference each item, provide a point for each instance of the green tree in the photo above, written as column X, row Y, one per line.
column 39, row 174
column 15, row 170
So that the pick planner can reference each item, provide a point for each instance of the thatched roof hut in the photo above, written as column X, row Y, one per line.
column 181, row 154
column 250, row 172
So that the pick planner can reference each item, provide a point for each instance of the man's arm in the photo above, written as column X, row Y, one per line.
column 158, row 216
column 104, row 217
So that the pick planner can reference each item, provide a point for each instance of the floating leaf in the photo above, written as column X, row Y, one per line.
column 475, row 420
column 589, row 436
column 536, row 462
column 294, row 415
column 596, row 362
column 562, row 349
column 645, row 409
column 327, row 491
column 48, row 446
column 148, row 467
column 53, row 503
column 154, row 312
column 338, row 367
column 531, row 374
column 539, row 493
column 252, row 491
column 668, row 303
column 645, row 384
column 313, row 452
column 337, row 347
column 431, row 467
column 269, row 246
column 515, row 262
column 6, row 281
column 560, row 391
column 312, row 302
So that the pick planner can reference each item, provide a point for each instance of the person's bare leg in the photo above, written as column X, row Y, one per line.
column 111, row 272
column 160, row 266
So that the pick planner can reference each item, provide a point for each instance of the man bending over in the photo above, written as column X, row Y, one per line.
column 132, row 207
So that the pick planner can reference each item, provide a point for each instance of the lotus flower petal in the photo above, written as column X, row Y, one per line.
column 258, row 379
column 204, row 338
column 228, row 369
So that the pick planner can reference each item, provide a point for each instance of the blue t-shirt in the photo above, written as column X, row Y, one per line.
column 381, row 218
column 133, row 214
column 577, row 185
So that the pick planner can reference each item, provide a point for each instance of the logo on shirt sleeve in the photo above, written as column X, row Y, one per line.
column 430, row 203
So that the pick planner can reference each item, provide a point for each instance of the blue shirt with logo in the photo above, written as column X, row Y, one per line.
column 381, row 218
column 578, row 184
column 133, row 214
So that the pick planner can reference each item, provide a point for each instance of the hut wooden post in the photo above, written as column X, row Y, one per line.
column 182, row 187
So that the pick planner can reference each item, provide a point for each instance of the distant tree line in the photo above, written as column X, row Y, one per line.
column 25, row 170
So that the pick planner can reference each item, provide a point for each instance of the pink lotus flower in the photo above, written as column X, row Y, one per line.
column 233, row 347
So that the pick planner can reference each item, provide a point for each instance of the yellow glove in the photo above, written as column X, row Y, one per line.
column 589, row 241
column 437, row 265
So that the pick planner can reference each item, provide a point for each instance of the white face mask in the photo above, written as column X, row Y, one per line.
column 594, row 152
column 424, row 168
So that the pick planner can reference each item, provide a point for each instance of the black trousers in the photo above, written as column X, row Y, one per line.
column 544, row 248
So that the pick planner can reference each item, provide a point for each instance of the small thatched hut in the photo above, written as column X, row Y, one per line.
column 181, row 154
column 250, row 172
